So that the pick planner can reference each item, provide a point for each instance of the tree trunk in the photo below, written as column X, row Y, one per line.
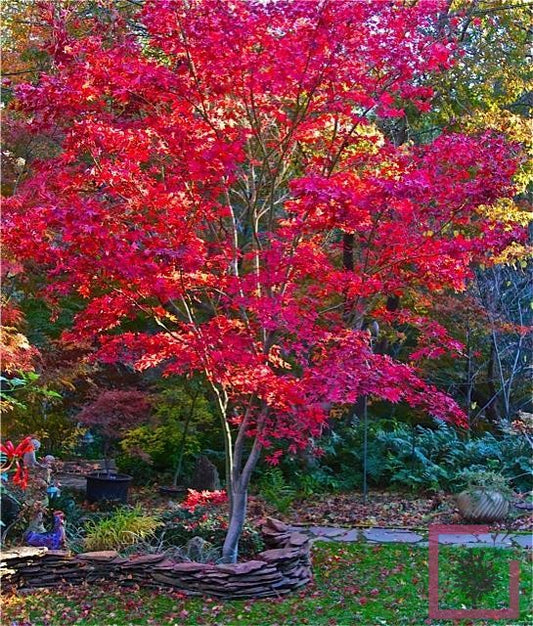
column 179, row 464
column 107, row 461
column 348, row 240
column 237, row 487
column 469, row 376
column 492, row 410
column 239, row 498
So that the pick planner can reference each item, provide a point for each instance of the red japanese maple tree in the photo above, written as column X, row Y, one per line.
column 221, row 172
column 112, row 413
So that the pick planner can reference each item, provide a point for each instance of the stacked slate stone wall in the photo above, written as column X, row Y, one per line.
column 282, row 568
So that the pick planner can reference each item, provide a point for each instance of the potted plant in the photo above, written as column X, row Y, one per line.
column 112, row 414
column 485, row 496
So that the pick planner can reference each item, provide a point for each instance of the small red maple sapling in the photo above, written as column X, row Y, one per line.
column 211, row 170
column 112, row 413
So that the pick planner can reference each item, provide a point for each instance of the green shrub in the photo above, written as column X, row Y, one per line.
column 47, row 419
column 185, row 425
column 318, row 480
column 142, row 472
column 474, row 480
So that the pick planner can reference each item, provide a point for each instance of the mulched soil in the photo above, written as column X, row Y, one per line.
column 390, row 510
column 382, row 509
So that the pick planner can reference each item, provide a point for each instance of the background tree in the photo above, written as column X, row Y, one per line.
column 489, row 86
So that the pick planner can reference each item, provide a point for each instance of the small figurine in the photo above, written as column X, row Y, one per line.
column 29, row 458
column 39, row 475
column 53, row 539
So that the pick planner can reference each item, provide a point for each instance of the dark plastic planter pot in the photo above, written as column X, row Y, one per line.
column 173, row 492
column 104, row 486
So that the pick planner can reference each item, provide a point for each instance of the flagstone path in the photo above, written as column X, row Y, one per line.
column 399, row 535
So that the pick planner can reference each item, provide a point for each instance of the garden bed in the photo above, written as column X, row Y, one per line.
column 390, row 510
column 282, row 568
column 385, row 509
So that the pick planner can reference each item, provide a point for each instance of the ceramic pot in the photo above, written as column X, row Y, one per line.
column 483, row 506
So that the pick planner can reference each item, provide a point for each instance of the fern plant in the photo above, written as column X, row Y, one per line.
column 398, row 454
column 275, row 490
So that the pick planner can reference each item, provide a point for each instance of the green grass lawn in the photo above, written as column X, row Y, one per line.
column 361, row 584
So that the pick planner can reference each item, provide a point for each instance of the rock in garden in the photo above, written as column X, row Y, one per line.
column 205, row 475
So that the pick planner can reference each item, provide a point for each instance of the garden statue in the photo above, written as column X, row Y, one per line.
column 29, row 458
column 33, row 465
column 39, row 475
column 48, row 466
column 40, row 487
column 195, row 548
column 53, row 539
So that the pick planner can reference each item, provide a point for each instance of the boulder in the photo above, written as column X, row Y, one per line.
column 205, row 475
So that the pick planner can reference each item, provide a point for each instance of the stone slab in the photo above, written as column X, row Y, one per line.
column 350, row 536
column 524, row 541
column 322, row 532
column 76, row 482
column 481, row 540
column 23, row 552
column 100, row 555
column 391, row 535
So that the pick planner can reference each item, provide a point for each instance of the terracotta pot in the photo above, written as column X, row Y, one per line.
column 483, row 506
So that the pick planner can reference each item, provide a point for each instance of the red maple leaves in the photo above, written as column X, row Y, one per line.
column 204, row 498
column 207, row 174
